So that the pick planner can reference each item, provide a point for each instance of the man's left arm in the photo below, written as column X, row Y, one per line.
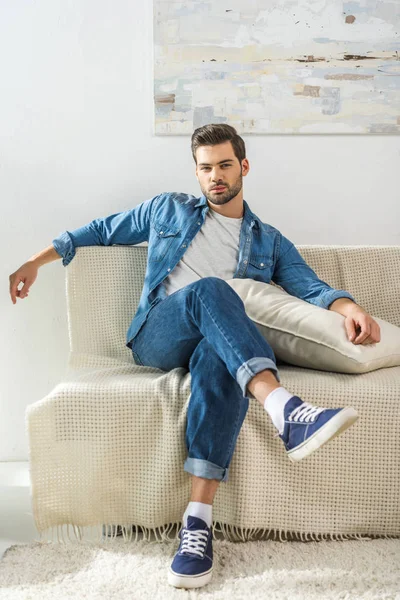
column 294, row 275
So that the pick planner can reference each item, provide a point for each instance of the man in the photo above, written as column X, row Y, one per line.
column 189, row 316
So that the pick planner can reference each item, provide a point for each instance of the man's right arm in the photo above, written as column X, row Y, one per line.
column 125, row 228
column 45, row 256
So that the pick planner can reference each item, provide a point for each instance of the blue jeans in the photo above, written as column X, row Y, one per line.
column 204, row 328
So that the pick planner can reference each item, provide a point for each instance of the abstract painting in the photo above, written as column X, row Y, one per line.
column 293, row 66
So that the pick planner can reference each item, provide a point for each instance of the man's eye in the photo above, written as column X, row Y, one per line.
column 204, row 168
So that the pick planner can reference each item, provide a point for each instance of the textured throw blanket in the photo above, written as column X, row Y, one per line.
column 107, row 444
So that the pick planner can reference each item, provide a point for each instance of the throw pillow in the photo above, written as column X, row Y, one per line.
column 306, row 335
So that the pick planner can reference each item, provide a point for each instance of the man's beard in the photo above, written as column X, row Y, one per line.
column 225, row 196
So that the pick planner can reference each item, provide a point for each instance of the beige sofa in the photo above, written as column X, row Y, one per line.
column 107, row 444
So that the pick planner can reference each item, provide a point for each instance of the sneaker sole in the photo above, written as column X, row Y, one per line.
column 332, row 428
column 189, row 581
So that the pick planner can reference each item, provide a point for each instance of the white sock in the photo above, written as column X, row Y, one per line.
column 198, row 509
column 274, row 404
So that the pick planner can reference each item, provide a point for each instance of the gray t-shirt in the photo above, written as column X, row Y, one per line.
column 214, row 252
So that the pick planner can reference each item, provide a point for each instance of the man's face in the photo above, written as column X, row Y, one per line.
column 218, row 165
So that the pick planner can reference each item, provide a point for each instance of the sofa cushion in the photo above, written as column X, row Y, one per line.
column 306, row 335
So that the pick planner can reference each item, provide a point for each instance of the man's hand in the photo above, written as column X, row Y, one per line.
column 27, row 274
column 360, row 326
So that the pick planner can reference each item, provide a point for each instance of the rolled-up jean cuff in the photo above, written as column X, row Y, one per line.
column 250, row 368
column 205, row 468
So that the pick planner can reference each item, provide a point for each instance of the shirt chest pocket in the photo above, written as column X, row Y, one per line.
column 260, row 267
column 162, row 236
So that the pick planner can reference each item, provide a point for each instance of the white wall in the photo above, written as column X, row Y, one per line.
column 77, row 143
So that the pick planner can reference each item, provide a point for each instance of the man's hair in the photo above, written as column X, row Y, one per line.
column 218, row 133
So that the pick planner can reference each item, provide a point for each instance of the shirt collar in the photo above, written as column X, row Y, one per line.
column 248, row 215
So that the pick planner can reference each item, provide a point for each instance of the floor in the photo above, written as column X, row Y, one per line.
column 16, row 523
column 16, row 520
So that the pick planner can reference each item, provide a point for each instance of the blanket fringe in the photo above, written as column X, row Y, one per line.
column 161, row 534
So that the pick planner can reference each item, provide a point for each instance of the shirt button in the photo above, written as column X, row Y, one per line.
column 245, row 262
column 183, row 245
column 161, row 232
column 168, row 269
column 261, row 264
column 198, row 222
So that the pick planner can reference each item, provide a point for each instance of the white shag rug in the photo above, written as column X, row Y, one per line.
column 264, row 569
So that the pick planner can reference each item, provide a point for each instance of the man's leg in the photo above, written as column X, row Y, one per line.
column 204, row 490
column 263, row 384
column 201, row 499
column 208, row 308
column 215, row 415
column 210, row 311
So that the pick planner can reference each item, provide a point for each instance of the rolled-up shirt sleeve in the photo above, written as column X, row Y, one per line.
column 64, row 245
column 296, row 277
column 125, row 228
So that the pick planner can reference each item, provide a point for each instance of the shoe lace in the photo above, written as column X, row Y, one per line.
column 305, row 413
column 194, row 541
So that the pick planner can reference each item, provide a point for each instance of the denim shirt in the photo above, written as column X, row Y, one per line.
column 169, row 222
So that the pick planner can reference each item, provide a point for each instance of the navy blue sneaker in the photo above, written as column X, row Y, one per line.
column 309, row 427
column 193, row 563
